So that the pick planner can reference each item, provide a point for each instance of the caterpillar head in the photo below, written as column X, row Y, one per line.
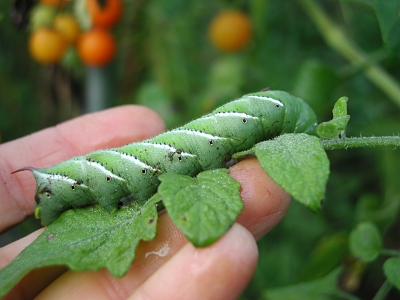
column 55, row 193
column 298, row 116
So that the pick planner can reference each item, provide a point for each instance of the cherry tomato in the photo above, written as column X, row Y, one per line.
column 96, row 47
column 56, row 3
column 68, row 26
column 230, row 31
column 41, row 15
column 105, row 15
column 47, row 46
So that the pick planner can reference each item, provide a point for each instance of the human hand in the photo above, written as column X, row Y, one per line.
column 166, row 268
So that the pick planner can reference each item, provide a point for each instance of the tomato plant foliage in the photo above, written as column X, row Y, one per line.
column 168, row 62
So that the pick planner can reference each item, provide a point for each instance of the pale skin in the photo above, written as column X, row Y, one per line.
column 168, row 267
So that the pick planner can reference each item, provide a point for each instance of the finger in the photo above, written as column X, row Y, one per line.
column 220, row 271
column 109, row 128
column 230, row 263
column 265, row 204
column 149, row 257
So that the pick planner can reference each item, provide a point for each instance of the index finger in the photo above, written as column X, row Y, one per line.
column 110, row 128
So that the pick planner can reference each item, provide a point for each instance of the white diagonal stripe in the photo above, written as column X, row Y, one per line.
column 235, row 114
column 136, row 161
column 98, row 166
column 165, row 147
column 267, row 99
column 198, row 133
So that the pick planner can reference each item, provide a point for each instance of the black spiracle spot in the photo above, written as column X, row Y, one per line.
column 211, row 142
column 73, row 187
column 277, row 106
column 244, row 120
column 108, row 178
column 144, row 171
column 180, row 158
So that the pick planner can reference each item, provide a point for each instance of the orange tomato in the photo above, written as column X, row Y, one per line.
column 106, row 15
column 96, row 47
column 60, row 3
column 68, row 26
column 230, row 31
column 47, row 46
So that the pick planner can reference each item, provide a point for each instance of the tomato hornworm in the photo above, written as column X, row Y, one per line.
column 130, row 173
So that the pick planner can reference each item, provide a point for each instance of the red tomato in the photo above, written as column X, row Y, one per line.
column 104, row 16
column 96, row 47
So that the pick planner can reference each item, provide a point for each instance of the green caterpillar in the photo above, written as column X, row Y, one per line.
column 130, row 173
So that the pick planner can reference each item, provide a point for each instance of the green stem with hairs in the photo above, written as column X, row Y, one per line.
column 358, row 142
column 390, row 252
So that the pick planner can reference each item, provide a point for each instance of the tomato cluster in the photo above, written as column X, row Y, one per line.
column 55, row 30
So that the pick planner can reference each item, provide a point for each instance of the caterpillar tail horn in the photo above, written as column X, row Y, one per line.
column 32, row 169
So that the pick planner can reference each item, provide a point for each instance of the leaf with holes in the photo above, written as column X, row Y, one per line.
column 203, row 208
column 87, row 239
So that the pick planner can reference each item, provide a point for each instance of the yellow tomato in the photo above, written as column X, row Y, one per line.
column 47, row 46
column 68, row 26
column 230, row 31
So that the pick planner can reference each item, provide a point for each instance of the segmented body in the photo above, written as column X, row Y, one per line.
column 131, row 172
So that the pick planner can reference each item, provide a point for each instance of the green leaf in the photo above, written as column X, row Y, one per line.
column 389, row 22
column 365, row 241
column 340, row 108
column 321, row 289
column 337, row 126
column 87, row 239
column 326, row 256
column 298, row 163
column 333, row 128
column 391, row 268
column 244, row 154
column 203, row 208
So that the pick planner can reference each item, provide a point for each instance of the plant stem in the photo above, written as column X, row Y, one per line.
column 383, row 291
column 97, row 89
column 390, row 252
column 373, row 141
column 336, row 38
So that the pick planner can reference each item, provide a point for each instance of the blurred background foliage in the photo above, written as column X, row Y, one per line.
column 165, row 60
